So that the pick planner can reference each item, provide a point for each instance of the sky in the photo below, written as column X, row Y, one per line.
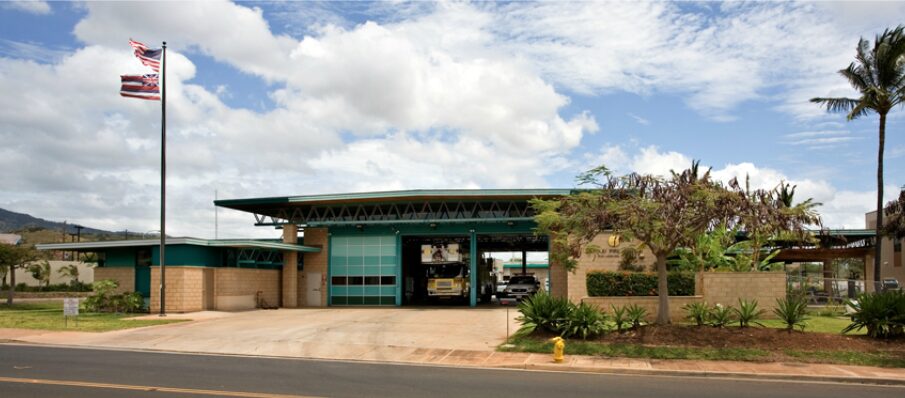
column 297, row 98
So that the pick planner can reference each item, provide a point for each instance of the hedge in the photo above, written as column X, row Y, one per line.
column 608, row 283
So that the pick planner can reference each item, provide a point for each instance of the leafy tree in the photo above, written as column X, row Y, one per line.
column 12, row 257
column 41, row 272
column 70, row 271
column 879, row 77
column 663, row 214
column 894, row 227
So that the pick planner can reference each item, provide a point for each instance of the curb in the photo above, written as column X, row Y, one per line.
column 725, row 375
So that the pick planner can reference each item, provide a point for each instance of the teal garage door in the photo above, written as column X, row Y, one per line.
column 363, row 270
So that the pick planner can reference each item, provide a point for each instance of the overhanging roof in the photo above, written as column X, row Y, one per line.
column 235, row 243
column 392, row 196
column 410, row 206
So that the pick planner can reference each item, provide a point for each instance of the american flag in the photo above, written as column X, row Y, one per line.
column 140, row 86
column 146, row 55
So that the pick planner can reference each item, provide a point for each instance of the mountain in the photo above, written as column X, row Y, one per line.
column 11, row 221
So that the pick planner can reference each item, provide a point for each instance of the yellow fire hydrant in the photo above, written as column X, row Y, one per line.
column 559, row 345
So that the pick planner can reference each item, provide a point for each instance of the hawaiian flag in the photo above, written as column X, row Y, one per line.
column 146, row 55
column 140, row 86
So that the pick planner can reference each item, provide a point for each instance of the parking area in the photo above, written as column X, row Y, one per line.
column 336, row 333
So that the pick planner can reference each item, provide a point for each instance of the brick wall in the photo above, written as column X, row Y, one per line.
column 289, row 274
column 727, row 288
column 724, row 288
column 235, row 288
column 186, row 286
column 125, row 276
column 607, row 260
column 314, row 262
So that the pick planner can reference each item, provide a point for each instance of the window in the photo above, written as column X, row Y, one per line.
column 339, row 280
column 143, row 257
column 387, row 280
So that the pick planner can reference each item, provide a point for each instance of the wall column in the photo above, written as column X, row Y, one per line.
column 290, row 277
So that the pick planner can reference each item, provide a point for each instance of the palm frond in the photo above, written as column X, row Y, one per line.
column 837, row 104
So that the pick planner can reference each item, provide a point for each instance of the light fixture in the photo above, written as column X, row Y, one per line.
column 614, row 239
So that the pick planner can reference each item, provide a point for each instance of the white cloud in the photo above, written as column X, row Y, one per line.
column 29, row 6
column 642, row 121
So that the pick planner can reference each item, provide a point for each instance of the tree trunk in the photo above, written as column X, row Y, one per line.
column 879, row 237
column 12, row 285
column 662, row 291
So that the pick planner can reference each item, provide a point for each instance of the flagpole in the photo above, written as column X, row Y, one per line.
column 163, row 179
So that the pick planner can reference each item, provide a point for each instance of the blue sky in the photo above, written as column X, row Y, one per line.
column 281, row 98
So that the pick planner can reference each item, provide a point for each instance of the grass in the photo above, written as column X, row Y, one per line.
column 818, row 324
column 48, row 315
column 577, row 347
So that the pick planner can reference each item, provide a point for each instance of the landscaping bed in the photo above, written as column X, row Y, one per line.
column 731, row 343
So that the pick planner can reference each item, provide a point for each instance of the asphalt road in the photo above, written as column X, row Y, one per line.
column 29, row 371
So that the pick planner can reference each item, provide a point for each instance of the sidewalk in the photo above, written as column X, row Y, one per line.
column 492, row 359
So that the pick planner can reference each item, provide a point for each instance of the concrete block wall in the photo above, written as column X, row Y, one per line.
column 86, row 273
column 724, row 288
column 650, row 303
column 314, row 262
column 727, row 288
column 125, row 276
column 607, row 260
column 185, row 288
column 236, row 288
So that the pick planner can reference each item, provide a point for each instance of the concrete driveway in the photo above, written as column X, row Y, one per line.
column 336, row 333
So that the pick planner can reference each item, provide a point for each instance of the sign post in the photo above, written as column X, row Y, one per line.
column 70, row 309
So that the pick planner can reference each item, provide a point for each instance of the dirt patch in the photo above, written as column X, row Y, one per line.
column 763, row 338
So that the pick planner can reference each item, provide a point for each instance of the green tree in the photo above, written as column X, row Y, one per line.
column 879, row 77
column 894, row 227
column 662, row 213
column 13, row 257
column 41, row 272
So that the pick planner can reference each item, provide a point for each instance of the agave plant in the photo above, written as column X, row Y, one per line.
column 882, row 313
column 720, row 316
column 748, row 313
column 585, row 320
column 699, row 313
column 545, row 312
column 635, row 315
column 792, row 311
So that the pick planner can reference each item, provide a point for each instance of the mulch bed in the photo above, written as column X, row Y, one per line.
column 753, row 337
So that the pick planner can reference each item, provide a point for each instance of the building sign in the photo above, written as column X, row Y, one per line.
column 440, row 253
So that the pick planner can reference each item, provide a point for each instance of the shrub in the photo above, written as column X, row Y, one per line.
column 883, row 314
column 609, row 283
column 699, row 313
column 720, row 316
column 584, row 321
column 748, row 313
column 545, row 312
column 635, row 315
column 791, row 311
column 103, row 299
column 619, row 317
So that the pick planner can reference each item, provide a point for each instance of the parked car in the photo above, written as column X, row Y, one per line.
column 520, row 287
column 500, row 286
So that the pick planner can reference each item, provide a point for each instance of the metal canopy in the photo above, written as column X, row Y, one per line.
column 395, row 207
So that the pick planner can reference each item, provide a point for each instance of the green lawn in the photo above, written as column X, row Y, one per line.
column 819, row 324
column 49, row 316
column 578, row 347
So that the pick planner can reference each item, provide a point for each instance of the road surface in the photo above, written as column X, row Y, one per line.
column 30, row 371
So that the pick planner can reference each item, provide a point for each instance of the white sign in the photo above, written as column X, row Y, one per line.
column 440, row 253
column 70, row 307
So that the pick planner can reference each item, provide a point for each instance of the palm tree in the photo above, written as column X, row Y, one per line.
column 879, row 76
column 70, row 271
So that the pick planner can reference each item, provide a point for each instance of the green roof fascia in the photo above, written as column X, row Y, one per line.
column 238, row 243
column 470, row 193
column 422, row 222
column 529, row 265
